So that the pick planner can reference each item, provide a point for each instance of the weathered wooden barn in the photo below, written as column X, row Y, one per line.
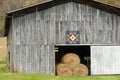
column 35, row 32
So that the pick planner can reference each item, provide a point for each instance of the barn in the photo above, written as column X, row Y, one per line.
column 41, row 34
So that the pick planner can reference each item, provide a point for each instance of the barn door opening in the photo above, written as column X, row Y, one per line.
column 83, row 52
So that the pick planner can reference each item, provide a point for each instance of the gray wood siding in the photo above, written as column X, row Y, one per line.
column 36, row 34
column 105, row 60
column 10, row 41
column 49, row 26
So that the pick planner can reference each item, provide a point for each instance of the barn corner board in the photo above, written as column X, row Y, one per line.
column 36, row 32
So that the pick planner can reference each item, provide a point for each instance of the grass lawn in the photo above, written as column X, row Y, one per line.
column 13, row 76
column 5, row 75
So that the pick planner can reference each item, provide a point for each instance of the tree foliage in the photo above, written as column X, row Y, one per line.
column 113, row 2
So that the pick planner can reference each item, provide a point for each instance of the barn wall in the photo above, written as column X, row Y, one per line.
column 35, row 34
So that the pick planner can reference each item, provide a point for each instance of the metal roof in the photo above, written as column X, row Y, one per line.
column 50, row 3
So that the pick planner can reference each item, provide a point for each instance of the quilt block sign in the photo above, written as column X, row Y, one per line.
column 72, row 37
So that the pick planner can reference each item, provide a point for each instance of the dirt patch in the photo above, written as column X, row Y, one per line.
column 3, row 48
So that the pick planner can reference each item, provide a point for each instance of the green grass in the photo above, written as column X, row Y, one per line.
column 3, row 68
column 13, row 76
column 5, row 75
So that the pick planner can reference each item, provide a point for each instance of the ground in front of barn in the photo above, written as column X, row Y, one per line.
column 6, row 75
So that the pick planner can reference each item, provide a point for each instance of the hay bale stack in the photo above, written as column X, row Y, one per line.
column 79, row 70
column 71, row 58
column 63, row 70
column 70, row 66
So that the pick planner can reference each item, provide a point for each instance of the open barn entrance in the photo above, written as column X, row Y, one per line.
column 82, row 51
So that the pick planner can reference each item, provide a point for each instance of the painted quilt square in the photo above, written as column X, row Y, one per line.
column 72, row 37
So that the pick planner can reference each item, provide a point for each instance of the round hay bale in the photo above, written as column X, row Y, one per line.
column 71, row 58
column 80, row 70
column 63, row 70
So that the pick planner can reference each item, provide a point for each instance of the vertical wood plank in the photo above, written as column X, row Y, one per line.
column 16, row 31
column 42, row 59
column 52, row 60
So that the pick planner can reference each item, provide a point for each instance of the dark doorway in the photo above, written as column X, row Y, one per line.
column 82, row 51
